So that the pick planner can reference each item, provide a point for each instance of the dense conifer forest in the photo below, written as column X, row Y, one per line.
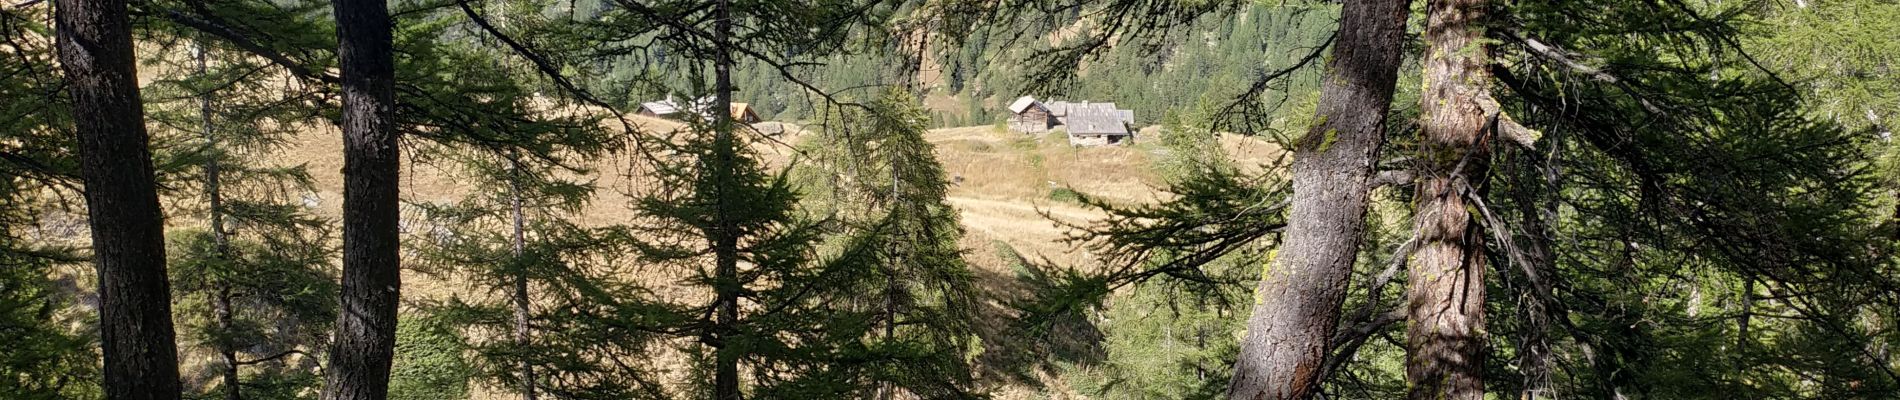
column 571, row 199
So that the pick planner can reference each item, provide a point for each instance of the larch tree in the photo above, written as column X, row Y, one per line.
column 45, row 358
column 885, row 186
column 372, row 282
column 128, row 238
column 1297, row 309
column 1679, row 193
column 252, row 273
column 775, row 320
column 1445, row 285
column 546, row 321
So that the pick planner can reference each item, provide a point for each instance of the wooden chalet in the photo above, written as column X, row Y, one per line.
column 1029, row 116
column 1089, row 124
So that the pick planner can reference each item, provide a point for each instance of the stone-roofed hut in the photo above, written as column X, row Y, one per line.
column 1096, row 127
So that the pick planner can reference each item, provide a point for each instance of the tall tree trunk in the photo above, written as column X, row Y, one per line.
column 128, row 230
column 725, row 231
column 372, row 279
column 1297, row 310
column 1445, row 286
column 521, row 278
column 227, row 349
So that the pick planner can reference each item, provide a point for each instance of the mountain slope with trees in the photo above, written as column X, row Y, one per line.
column 457, row 199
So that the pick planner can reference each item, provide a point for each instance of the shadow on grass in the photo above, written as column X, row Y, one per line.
column 1032, row 320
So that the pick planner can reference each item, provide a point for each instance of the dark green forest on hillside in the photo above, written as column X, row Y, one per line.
column 459, row 199
column 1205, row 63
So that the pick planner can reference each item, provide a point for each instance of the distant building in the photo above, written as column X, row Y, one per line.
column 1094, row 127
column 742, row 113
column 1089, row 124
column 670, row 108
column 1029, row 116
column 675, row 110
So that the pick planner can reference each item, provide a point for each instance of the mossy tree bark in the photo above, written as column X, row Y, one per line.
column 1300, row 294
column 1445, row 281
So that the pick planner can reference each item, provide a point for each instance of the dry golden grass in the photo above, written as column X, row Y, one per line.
column 1001, row 186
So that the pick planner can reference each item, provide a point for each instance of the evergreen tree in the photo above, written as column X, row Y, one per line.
column 1175, row 338
column 96, row 53
column 372, row 280
column 1665, row 159
column 547, row 323
column 1445, row 284
column 781, row 313
column 51, row 352
column 920, row 290
column 253, row 282
column 46, row 358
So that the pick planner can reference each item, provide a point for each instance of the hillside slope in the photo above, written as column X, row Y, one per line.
column 1005, row 186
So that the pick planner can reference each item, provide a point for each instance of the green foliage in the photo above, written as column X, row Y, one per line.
column 1839, row 53
column 1173, row 337
column 281, row 296
column 792, row 326
column 1709, row 214
column 1171, row 340
column 548, row 295
column 429, row 363
column 1065, row 194
column 50, row 351
column 1687, row 174
column 46, row 359
column 262, row 289
column 920, row 289
column 1210, row 58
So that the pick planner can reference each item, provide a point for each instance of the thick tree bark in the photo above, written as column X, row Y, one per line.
column 522, row 306
column 1300, row 294
column 227, row 350
column 725, row 230
column 128, row 230
column 1445, row 286
column 372, row 280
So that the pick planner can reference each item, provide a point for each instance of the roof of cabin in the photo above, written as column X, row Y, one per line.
column 1096, row 123
column 662, row 107
column 1082, row 117
column 1064, row 108
column 1023, row 103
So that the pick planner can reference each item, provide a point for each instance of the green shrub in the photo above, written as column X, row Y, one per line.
column 1065, row 194
column 429, row 363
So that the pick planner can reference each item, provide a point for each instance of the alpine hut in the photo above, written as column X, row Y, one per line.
column 1029, row 116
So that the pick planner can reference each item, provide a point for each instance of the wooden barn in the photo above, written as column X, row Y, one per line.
column 1029, row 116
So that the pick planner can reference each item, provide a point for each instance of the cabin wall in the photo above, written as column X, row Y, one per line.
column 1087, row 140
column 1033, row 120
column 1100, row 139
